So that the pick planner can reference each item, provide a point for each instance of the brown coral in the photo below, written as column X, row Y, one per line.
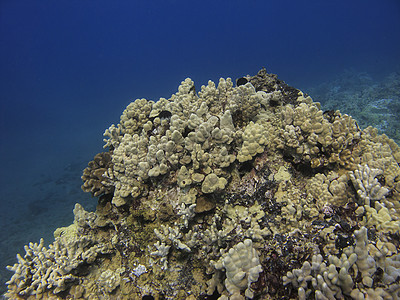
column 93, row 175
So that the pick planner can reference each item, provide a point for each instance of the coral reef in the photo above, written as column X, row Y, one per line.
column 231, row 192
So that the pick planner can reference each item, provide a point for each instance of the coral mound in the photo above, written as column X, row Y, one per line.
column 231, row 192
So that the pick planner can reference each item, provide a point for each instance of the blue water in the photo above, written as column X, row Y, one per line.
column 69, row 68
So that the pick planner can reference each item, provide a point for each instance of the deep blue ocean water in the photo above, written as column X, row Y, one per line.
column 69, row 68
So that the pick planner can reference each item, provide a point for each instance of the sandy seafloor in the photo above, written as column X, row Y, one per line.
column 51, row 194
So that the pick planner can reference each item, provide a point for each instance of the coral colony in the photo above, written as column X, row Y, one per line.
column 232, row 192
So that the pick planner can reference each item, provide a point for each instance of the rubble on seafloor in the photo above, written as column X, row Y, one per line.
column 235, row 191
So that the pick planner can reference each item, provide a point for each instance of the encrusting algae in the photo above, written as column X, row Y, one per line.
column 233, row 192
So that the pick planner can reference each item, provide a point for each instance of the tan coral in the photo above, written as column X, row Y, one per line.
column 213, row 183
column 55, row 268
column 255, row 137
column 310, row 135
column 135, row 116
